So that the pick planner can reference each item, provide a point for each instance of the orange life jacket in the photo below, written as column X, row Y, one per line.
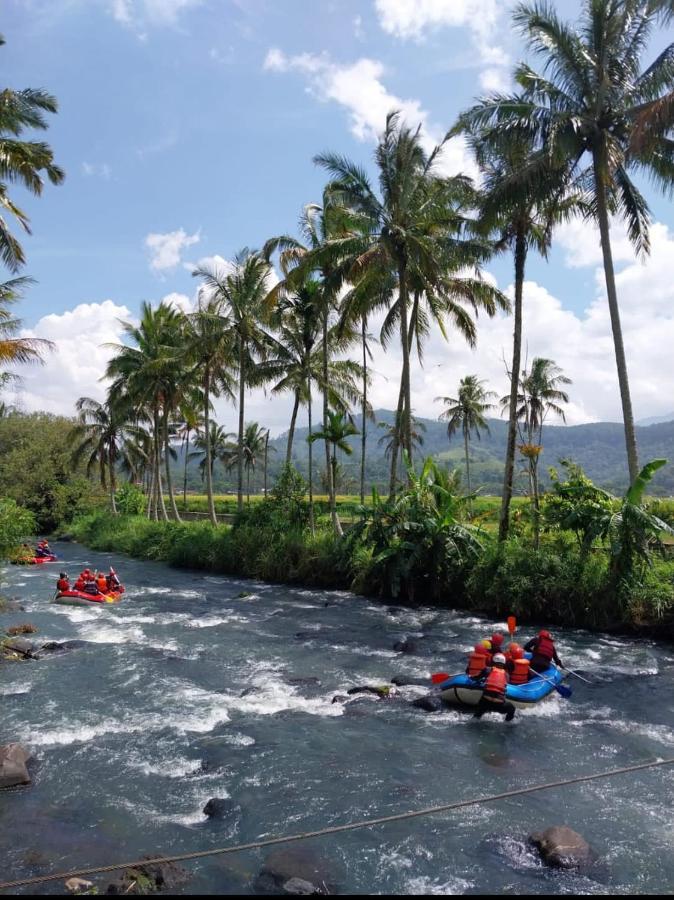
column 545, row 648
column 102, row 584
column 520, row 672
column 476, row 663
column 496, row 682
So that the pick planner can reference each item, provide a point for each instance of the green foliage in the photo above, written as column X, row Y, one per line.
column 36, row 470
column 577, row 505
column 15, row 525
column 130, row 500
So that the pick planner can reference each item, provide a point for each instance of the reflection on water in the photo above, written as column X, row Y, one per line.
column 189, row 690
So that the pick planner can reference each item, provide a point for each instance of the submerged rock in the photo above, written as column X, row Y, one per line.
column 563, row 848
column 17, row 648
column 222, row 808
column 404, row 681
column 60, row 647
column 429, row 703
column 296, row 871
column 406, row 646
column 13, row 770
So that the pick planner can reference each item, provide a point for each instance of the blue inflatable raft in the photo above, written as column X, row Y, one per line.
column 464, row 691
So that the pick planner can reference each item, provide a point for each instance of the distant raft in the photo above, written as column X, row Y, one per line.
column 79, row 598
column 460, row 690
column 35, row 560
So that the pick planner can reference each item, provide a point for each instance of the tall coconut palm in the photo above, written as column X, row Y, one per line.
column 467, row 411
column 582, row 112
column 22, row 162
column 254, row 446
column 191, row 421
column 217, row 446
column 99, row 435
column 16, row 350
column 391, row 439
column 211, row 348
column 241, row 290
column 339, row 430
column 414, row 229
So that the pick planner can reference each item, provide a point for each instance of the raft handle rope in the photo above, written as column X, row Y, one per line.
column 334, row 829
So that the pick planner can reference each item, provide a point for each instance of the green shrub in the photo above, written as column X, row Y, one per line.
column 130, row 500
column 16, row 524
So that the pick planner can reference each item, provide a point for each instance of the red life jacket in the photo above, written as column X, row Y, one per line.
column 79, row 584
column 476, row 663
column 63, row 584
column 520, row 672
column 545, row 648
column 496, row 682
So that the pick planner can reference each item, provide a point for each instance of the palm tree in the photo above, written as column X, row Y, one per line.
column 414, row 231
column 100, row 434
column 22, row 162
column 583, row 113
column 191, row 421
column 241, row 290
column 339, row 430
column 467, row 411
column 391, row 439
column 254, row 447
column 212, row 350
column 216, row 446
column 15, row 350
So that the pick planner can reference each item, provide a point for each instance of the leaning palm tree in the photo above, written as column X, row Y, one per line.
column 339, row 430
column 16, row 350
column 583, row 112
column 22, row 162
column 241, row 291
column 467, row 412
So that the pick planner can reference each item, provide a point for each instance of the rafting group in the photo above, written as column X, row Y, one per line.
column 32, row 556
column 90, row 587
column 500, row 680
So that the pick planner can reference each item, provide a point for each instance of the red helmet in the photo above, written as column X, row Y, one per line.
column 545, row 634
column 497, row 639
column 516, row 652
column 480, row 647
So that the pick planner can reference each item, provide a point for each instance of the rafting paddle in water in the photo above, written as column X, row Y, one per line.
column 439, row 677
column 562, row 689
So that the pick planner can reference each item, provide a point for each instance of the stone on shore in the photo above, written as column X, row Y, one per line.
column 563, row 848
column 13, row 770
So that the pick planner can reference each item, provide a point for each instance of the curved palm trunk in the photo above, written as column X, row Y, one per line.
column 209, row 449
column 291, row 433
column 404, row 340
column 612, row 294
column 151, row 506
column 242, row 390
column 311, row 459
column 399, row 409
column 187, row 456
column 167, row 466
column 333, row 499
column 509, row 473
column 363, row 439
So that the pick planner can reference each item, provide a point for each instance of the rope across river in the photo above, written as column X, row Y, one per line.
column 334, row 829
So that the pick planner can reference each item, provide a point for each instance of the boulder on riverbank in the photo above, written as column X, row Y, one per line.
column 149, row 878
column 13, row 770
column 563, row 848
column 296, row 871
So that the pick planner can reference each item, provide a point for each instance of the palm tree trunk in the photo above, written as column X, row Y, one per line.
column 612, row 294
column 465, row 443
column 363, row 438
column 209, row 449
column 266, row 456
column 333, row 499
column 113, row 480
column 248, row 485
column 399, row 409
column 242, row 389
column 311, row 459
column 157, row 463
column 324, row 343
column 187, row 456
column 151, row 508
column 509, row 472
column 404, row 340
column 167, row 466
column 291, row 433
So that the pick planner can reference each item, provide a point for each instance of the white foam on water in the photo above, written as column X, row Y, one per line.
column 156, row 590
column 213, row 621
column 169, row 768
column 193, row 709
column 422, row 884
column 550, row 708
column 76, row 614
column 239, row 740
column 272, row 696
column 106, row 632
column 82, row 733
column 13, row 690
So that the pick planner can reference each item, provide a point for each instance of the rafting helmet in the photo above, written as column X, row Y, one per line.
column 545, row 634
column 516, row 652
column 63, row 574
column 497, row 639
column 486, row 643
column 499, row 660
column 480, row 647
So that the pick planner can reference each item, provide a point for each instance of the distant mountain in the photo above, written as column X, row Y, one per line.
column 599, row 448
column 656, row 420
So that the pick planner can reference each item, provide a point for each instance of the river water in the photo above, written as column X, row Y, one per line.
column 188, row 690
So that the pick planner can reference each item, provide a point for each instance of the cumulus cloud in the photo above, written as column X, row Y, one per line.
column 78, row 362
column 359, row 88
column 582, row 245
column 152, row 12
column 166, row 249
column 102, row 170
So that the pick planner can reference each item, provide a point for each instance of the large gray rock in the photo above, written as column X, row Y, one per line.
column 222, row 808
column 562, row 847
column 296, row 870
column 13, row 771
column 20, row 646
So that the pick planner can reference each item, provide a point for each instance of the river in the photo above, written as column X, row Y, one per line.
column 188, row 690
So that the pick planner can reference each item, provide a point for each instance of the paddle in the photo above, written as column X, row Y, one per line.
column 439, row 677
column 512, row 625
column 562, row 689
column 571, row 672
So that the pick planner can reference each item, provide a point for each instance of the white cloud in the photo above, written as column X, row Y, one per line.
column 166, row 249
column 179, row 302
column 494, row 81
column 152, row 12
column 102, row 170
column 359, row 88
column 78, row 362
column 358, row 28
column 580, row 239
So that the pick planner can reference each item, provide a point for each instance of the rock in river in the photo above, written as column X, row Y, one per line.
column 13, row 771
column 562, row 847
column 222, row 808
column 298, row 871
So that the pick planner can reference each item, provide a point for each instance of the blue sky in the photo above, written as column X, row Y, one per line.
column 187, row 130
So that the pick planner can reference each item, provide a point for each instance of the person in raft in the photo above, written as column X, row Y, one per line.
column 102, row 583
column 493, row 697
column 114, row 584
column 63, row 584
column 43, row 550
column 543, row 652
